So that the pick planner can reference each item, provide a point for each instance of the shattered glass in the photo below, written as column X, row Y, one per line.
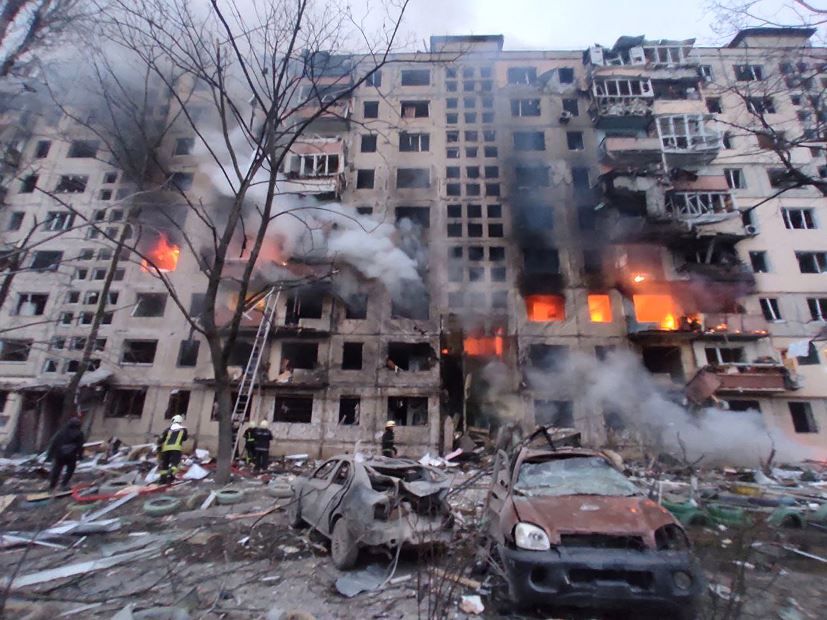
column 573, row 476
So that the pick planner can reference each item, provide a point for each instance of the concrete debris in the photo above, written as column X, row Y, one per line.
column 195, row 472
column 472, row 604
column 352, row 583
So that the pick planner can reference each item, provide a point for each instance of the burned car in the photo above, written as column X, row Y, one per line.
column 374, row 502
column 572, row 531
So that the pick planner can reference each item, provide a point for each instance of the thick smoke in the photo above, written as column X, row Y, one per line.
column 621, row 384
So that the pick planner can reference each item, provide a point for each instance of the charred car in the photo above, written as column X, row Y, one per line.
column 373, row 502
column 573, row 532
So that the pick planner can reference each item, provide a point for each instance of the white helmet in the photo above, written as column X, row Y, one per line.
column 177, row 419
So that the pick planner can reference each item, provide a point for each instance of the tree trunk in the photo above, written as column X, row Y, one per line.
column 225, row 424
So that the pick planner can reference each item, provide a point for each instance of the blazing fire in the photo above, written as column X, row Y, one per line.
column 657, row 308
column 600, row 308
column 545, row 308
column 484, row 346
column 164, row 255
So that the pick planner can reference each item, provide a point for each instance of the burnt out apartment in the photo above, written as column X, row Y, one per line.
column 554, row 203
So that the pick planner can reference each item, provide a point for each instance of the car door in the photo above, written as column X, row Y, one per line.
column 313, row 487
column 498, row 492
column 330, row 498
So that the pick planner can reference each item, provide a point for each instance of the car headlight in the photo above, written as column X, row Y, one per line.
column 683, row 580
column 528, row 536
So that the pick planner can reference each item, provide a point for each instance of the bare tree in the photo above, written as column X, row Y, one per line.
column 27, row 26
column 244, row 87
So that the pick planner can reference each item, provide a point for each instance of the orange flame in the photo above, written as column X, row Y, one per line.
column 163, row 254
column 544, row 308
column 484, row 346
column 600, row 308
column 657, row 308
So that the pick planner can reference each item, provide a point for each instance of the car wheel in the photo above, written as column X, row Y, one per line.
column 294, row 513
column 343, row 549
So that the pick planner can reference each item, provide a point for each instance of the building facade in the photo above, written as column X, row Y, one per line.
column 556, row 202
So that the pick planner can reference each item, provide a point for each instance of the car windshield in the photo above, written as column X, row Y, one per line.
column 583, row 475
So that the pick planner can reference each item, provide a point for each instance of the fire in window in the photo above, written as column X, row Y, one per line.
column 545, row 308
column 163, row 255
column 600, row 308
column 661, row 309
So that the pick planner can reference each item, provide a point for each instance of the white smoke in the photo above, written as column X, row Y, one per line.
column 621, row 384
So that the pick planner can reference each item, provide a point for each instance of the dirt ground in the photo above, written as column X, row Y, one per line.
column 218, row 566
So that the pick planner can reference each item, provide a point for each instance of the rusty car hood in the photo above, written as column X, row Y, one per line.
column 591, row 514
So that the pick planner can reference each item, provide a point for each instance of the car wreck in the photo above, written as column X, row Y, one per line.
column 376, row 502
column 571, row 531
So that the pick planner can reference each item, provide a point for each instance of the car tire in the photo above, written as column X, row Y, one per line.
column 343, row 549
column 294, row 512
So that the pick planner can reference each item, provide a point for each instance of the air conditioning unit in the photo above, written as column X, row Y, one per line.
column 565, row 116
column 751, row 230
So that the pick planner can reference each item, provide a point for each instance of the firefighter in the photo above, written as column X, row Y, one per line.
column 262, row 438
column 250, row 444
column 65, row 450
column 388, row 447
column 170, row 445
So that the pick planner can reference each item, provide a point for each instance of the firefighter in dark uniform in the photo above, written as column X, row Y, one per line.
column 250, row 444
column 388, row 447
column 170, row 445
column 261, row 445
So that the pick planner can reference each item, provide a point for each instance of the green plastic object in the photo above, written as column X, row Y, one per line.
column 687, row 513
column 784, row 516
column 728, row 515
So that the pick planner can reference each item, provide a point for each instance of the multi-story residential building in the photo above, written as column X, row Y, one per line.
column 556, row 201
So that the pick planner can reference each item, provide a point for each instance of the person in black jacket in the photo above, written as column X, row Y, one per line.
column 261, row 445
column 388, row 439
column 65, row 450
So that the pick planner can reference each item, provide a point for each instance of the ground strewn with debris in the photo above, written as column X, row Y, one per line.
column 242, row 560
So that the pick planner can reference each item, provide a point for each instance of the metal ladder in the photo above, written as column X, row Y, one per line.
column 250, row 376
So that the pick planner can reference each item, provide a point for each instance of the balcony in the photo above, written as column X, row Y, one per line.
column 305, row 378
column 634, row 152
column 730, row 379
column 622, row 102
column 315, row 167
column 700, row 207
column 732, row 325
column 731, row 273
column 687, row 141
column 668, row 107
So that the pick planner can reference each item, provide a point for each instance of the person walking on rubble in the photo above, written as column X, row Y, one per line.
column 65, row 451
column 170, row 446
column 261, row 445
column 388, row 439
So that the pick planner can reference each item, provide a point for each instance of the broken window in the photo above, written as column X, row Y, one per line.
column 801, row 413
column 349, row 410
column 413, row 142
column 558, row 413
column 59, row 220
column 601, row 351
column 664, row 361
column 150, row 305
column 574, row 140
column 529, row 141
column 71, row 184
column 28, row 184
column 365, row 179
column 413, row 178
column 760, row 105
column 818, row 308
column 31, row 304
column 418, row 215
column 525, row 107
column 415, row 109
column 713, row 105
column 14, row 350
column 743, row 405
column 371, row 109
column 541, row 260
column 126, row 403
column 661, row 309
column 522, row 75
column 811, row 359
column 183, row 146
column 178, row 403
column 545, row 308
column 356, row 307
column 411, row 356
column 580, row 178
column 352, row 355
column 724, row 355
column 42, row 149
column 373, row 79
column 798, row 218
column 758, row 260
column 770, row 309
column 139, row 351
column 314, row 165
column 240, row 352
column 571, row 106
column 566, row 75
column 46, row 260
column 188, row 353
column 293, row 409
column 303, row 306
column 682, row 132
column 547, row 356
column 416, row 77
column 83, row 148
column 15, row 221
column 368, row 143
column 408, row 410
column 600, row 308
column 735, row 178
column 748, row 73
column 302, row 355
column 812, row 262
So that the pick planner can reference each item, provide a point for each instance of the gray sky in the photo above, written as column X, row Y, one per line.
column 566, row 24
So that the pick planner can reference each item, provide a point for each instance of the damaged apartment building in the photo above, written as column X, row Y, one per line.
column 558, row 201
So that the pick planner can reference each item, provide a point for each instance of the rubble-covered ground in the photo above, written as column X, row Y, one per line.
column 243, row 561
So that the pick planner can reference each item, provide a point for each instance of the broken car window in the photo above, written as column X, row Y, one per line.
column 573, row 476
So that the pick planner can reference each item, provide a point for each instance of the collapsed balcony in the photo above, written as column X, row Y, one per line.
column 728, row 379
column 315, row 166
column 687, row 141
column 714, row 259
column 700, row 207
column 621, row 102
